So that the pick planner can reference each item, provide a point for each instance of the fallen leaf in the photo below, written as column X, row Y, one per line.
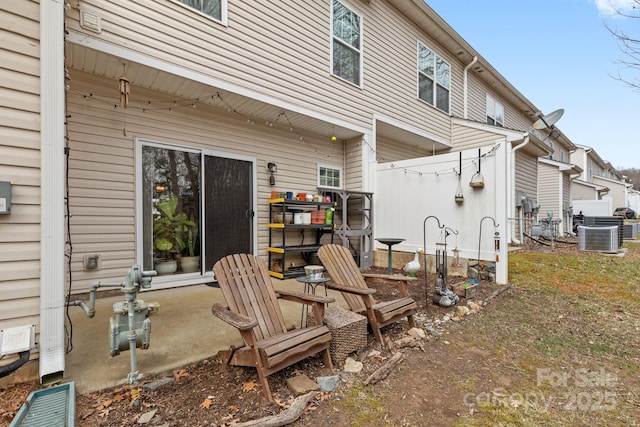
column 180, row 373
column 250, row 386
column 104, row 412
column 233, row 408
column 323, row 396
column 104, row 404
column 206, row 403
column 119, row 397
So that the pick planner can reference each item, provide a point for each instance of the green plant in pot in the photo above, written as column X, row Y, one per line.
column 169, row 231
column 190, row 262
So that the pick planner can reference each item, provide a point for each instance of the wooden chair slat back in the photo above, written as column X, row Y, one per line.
column 246, row 286
column 343, row 271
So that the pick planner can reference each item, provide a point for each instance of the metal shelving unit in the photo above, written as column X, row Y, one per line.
column 280, row 250
column 354, row 222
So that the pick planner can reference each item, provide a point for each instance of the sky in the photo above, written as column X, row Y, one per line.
column 559, row 54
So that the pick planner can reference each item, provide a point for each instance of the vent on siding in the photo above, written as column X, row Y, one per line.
column 607, row 221
column 598, row 239
column 90, row 20
column 631, row 230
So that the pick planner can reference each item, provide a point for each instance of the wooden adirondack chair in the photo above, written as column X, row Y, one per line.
column 347, row 278
column 254, row 309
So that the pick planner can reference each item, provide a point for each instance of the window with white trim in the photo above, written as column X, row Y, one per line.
column 434, row 78
column 216, row 9
column 495, row 112
column 329, row 176
column 346, row 46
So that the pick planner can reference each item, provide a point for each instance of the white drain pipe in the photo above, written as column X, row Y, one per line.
column 466, row 84
column 512, row 182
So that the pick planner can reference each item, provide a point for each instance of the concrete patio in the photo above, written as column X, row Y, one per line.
column 184, row 331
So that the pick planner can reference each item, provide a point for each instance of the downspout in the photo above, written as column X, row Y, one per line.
column 512, row 181
column 465, row 84
column 571, row 213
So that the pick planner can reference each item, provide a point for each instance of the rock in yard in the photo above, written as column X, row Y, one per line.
column 329, row 383
column 352, row 366
column 302, row 384
column 460, row 311
column 417, row 332
column 154, row 385
column 474, row 307
column 433, row 331
column 147, row 416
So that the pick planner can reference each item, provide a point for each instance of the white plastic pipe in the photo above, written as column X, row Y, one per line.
column 512, row 182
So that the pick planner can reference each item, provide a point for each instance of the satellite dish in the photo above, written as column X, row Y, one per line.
column 548, row 120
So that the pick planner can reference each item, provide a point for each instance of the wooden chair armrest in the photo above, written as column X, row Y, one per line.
column 304, row 298
column 398, row 279
column 394, row 277
column 351, row 289
column 236, row 320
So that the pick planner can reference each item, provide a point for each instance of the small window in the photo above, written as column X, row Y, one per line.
column 495, row 112
column 213, row 8
column 434, row 78
column 346, row 49
column 329, row 176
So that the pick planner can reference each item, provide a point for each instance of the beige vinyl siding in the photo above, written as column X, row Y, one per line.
column 526, row 174
column 466, row 137
column 20, row 163
column 102, row 167
column 583, row 192
column 477, row 106
column 388, row 150
column 549, row 189
column 566, row 191
column 282, row 50
column 352, row 171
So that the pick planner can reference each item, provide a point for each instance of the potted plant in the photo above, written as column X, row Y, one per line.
column 189, row 261
column 169, row 229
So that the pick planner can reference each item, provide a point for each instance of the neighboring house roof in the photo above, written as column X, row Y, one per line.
column 535, row 147
column 595, row 186
column 566, row 168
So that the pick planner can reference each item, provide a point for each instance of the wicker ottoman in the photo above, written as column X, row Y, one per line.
column 348, row 332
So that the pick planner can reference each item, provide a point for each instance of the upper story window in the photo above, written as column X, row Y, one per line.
column 495, row 112
column 329, row 176
column 346, row 49
column 213, row 8
column 434, row 78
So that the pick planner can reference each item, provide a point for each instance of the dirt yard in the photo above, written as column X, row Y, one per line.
column 559, row 346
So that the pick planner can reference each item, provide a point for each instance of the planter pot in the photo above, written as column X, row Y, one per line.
column 166, row 267
column 190, row 264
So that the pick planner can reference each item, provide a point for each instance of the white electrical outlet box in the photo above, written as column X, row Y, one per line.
column 15, row 340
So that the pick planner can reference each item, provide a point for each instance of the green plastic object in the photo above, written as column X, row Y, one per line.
column 50, row 407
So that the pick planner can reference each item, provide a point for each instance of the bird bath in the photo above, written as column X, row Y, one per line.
column 390, row 241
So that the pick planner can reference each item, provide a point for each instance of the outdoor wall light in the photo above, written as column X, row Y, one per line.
column 272, row 168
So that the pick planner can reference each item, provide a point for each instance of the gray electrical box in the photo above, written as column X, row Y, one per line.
column 5, row 197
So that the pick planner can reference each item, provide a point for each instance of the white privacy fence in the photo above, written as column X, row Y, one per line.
column 414, row 196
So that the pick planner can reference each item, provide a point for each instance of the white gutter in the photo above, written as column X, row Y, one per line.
column 52, row 143
column 512, row 191
column 466, row 84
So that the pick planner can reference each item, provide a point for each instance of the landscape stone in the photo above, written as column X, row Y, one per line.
column 302, row 384
column 352, row 366
column 329, row 383
column 154, row 385
column 147, row 416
